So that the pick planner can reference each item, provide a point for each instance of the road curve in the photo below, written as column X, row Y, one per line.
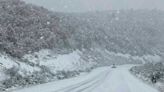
column 103, row 79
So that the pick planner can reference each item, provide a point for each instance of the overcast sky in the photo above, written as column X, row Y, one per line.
column 93, row 5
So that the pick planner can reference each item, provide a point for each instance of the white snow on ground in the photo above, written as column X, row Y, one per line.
column 2, row 75
column 55, row 62
column 5, row 63
column 152, row 59
column 32, row 63
column 63, row 62
column 68, row 62
column 71, row 62
column 102, row 79
column 160, row 86
column 25, row 69
column 41, row 55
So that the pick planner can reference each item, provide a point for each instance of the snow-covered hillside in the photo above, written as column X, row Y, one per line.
column 57, row 62
column 38, row 45
column 42, row 64
column 26, row 28
column 47, row 65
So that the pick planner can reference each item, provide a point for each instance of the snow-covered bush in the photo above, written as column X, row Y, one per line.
column 17, row 80
column 149, row 70
column 66, row 74
column 21, row 81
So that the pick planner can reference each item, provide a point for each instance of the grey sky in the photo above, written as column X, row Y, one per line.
column 93, row 5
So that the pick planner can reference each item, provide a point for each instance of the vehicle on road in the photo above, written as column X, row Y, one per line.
column 114, row 66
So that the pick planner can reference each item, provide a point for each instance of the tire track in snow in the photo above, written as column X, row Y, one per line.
column 90, row 82
column 93, row 85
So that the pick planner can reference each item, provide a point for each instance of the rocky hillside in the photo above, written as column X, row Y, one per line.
column 26, row 28
column 136, row 32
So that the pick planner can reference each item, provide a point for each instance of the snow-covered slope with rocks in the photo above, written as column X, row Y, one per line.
column 50, row 66
column 57, row 62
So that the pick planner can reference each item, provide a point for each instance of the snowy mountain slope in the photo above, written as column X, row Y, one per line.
column 57, row 62
column 7, row 63
column 41, row 67
column 116, row 31
column 135, row 32
column 106, row 57
column 27, row 28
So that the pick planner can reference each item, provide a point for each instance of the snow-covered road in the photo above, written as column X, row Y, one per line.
column 103, row 79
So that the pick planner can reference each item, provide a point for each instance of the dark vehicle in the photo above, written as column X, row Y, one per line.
column 114, row 66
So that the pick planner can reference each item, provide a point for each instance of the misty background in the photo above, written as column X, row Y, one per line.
column 39, row 46
column 97, row 5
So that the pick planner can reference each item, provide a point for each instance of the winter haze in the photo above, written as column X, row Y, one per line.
column 81, row 46
column 97, row 5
